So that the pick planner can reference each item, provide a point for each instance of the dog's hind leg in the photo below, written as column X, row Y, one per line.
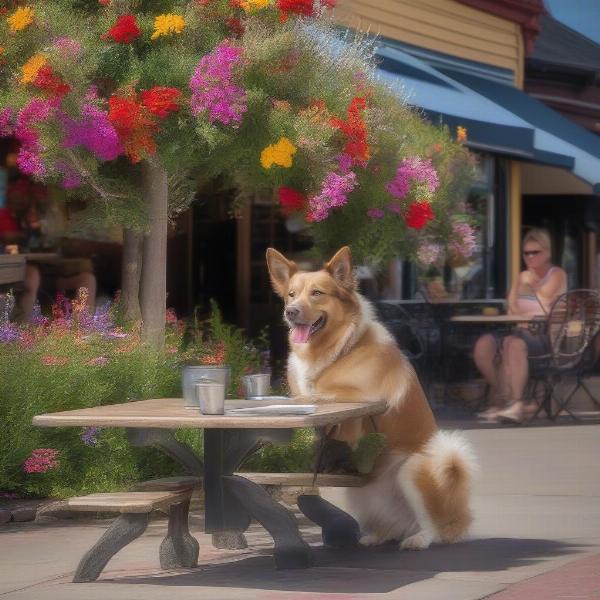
column 407, row 480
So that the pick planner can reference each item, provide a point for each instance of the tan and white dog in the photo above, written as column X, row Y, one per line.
column 419, row 490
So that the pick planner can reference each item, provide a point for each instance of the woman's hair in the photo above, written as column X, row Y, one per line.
column 540, row 236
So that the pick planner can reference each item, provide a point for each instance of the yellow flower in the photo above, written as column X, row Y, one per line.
column 461, row 134
column 20, row 19
column 166, row 24
column 30, row 69
column 280, row 154
column 252, row 5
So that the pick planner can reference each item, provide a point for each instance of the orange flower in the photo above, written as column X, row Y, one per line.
column 461, row 134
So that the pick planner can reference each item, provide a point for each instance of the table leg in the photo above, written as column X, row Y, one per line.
column 291, row 551
column 226, row 515
column 165, row 440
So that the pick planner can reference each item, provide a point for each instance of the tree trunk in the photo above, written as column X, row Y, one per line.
column 130, row 274
column 153, row 288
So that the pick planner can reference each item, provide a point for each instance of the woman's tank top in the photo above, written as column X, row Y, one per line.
column 527, row 301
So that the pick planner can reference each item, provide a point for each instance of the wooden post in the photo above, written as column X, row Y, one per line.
column 153, row 288
column 515, row 218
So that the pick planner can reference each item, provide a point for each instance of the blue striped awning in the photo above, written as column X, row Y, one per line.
column 499, row 117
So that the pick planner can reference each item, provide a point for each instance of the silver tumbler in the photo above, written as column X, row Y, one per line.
column 211, row 397
column 256, row 385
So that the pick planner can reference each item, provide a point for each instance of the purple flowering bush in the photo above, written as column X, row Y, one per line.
column 73, row 359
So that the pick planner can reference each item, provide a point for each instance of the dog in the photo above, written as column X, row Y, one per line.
column 419, row 490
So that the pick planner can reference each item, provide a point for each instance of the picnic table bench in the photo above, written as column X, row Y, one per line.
column 232, row 498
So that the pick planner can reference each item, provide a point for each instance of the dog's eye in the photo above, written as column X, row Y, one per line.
column 316, row 293
column 291, row 294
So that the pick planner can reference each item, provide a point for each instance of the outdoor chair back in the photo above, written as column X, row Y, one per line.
column 571, row 325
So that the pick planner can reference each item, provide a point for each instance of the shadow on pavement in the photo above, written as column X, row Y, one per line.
column 376, row 570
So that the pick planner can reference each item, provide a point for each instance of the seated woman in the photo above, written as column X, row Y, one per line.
column 504, row 362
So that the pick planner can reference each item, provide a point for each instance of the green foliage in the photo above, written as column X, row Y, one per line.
column 65, row 365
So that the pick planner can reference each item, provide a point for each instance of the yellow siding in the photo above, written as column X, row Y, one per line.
column 441, row 25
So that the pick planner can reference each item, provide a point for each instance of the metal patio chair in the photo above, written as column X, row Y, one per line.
column 571, row 325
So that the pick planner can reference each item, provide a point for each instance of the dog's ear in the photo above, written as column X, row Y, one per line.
column 281, row 270
column 340, row 267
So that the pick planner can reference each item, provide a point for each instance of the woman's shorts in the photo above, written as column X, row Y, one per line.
column 537, row 344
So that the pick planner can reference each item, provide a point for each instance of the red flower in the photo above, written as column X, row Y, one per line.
column 419, row 214
column 235, row 25
column 355, row 130
column 134, row 125
column 291, row 199
column 124, row 31
column 161, row 101
column 104, row 2
column 47, row 80
column 303, row 8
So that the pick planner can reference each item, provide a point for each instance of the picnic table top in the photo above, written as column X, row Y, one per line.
column 492, row 319
column 170, row 413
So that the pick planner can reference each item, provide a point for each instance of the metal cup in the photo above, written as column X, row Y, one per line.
column 192, row 374
column 256, row 385
column 211, row 397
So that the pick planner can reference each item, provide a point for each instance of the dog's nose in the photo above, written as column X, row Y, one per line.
column 291, row 313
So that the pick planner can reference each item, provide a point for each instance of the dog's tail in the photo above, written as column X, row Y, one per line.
column 452, row 460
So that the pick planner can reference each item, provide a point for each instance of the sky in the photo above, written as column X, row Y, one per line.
column 581, row 15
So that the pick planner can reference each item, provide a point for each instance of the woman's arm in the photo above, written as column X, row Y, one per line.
column 512, row 296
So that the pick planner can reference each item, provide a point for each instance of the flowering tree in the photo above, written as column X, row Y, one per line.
column 128, row 101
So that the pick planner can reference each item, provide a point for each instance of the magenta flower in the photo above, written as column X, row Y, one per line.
column 334, row 194
column 395, row 208
column 375, row 213
column 31, row 163
column 413, row 170
column 71, row 177
column 93, row 131
column 41, row 460
column 213, row 89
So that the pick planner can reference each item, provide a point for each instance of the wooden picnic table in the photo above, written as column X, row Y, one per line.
column 230, row 501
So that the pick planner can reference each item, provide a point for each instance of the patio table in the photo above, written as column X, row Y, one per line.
column 230, row 501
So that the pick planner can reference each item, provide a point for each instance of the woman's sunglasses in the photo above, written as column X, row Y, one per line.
column 532, row 253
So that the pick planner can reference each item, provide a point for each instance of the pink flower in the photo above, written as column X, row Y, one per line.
column 334, row 194
column 395, row 208
column 428, row 253
column 413, row 170
column 67, row 47
column 375, row 213
column 41, row 460
column 213, row 89
column 464, row 241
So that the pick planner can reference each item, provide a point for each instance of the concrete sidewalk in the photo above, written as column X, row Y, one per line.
column 537, row 505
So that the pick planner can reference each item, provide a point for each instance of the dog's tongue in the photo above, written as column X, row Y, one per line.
column 300, row 334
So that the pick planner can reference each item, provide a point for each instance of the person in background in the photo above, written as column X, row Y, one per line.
column 504, row 362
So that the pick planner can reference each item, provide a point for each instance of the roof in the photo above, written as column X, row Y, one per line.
column 562, row 46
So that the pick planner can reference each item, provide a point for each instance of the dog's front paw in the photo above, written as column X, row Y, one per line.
column 418, row 541
column 306, row 399
column 369, row 540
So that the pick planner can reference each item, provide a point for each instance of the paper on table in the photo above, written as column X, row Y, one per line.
column 275, row 409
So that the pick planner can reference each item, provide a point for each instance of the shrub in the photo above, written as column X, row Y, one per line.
column 73, row 360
